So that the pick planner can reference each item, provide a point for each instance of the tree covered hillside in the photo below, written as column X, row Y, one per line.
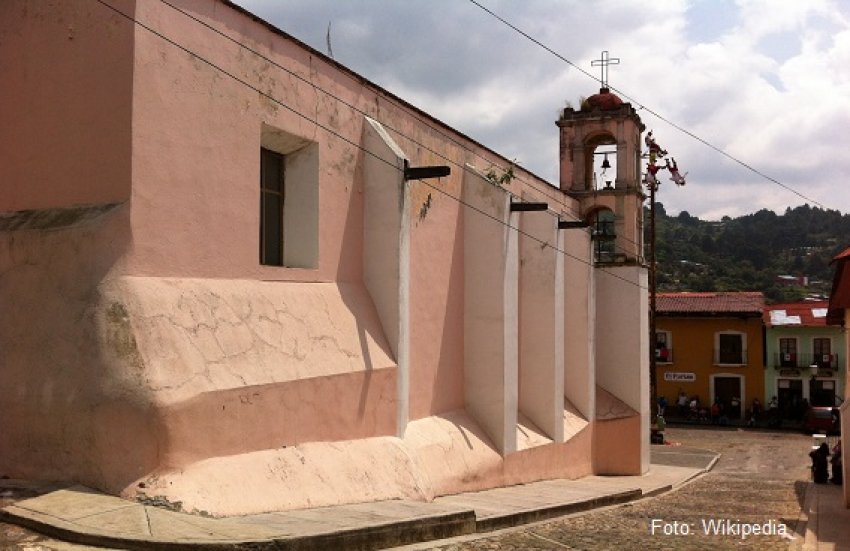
column 750, row 253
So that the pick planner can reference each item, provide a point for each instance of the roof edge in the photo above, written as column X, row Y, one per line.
column 363, row 80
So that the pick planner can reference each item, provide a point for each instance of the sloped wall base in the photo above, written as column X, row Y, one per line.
column 439, row 455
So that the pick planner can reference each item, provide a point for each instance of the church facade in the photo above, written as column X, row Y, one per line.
column 239, row 276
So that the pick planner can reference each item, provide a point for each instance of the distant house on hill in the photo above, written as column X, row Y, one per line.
column 794, row 281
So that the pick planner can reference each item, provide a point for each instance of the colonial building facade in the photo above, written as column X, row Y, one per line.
column 805, row 357
column 237, row 275
column 709, row 346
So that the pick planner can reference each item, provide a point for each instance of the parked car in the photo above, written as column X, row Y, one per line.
column 820, row 419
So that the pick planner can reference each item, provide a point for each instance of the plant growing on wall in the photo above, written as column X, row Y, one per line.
column 423, row 210
column 505, row 177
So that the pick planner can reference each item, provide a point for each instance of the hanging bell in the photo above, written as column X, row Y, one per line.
column 605, row 164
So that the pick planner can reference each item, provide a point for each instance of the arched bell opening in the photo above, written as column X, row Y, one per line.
column 600, row 162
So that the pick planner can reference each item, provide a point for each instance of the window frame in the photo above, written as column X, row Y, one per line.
column 668, row 341
column 816, row 340
column 788, row 354
column 267, row 194
column 818, row 355
column 718, row 356
column 300, row 203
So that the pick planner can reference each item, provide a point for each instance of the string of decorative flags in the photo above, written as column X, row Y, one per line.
column 655, row 153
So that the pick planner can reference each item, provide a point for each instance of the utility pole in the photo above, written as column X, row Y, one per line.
column 653, row 385
column 651, row 180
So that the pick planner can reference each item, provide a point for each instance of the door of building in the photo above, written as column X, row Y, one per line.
column 822, row 392
column 728, row 389
column 790, row 394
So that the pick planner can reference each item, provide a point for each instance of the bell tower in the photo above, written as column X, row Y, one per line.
column 614, row 208
column 607, row 130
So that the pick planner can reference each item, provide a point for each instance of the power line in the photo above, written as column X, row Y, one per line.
column 334, row 133
column 452, row 139
column 648, row 109
column 349, row 105
column 413, row 113
column 358, row 146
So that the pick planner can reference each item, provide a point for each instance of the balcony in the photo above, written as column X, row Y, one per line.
column 789, row 359
column 664, row 355
column 804, row 361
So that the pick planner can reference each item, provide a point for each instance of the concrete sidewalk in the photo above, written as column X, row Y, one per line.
column 80, row 515
column 825, row 519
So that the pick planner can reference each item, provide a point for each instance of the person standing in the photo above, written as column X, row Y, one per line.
column 662, row 405
column 820, row 464
column 683, row 404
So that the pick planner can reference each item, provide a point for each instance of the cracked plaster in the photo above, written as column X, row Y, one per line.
column 198, row 335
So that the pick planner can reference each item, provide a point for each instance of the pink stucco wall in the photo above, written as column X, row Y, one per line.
column 197, row 173
column 65, row 119
column 617, row 446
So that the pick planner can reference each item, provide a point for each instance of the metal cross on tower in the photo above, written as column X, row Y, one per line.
column 604, row 62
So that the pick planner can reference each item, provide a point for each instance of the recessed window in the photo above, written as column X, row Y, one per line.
column 822, row 351
column 730, row 349
column 289, row 200
column 788, row 352
column 272, row 170
column 663, row 347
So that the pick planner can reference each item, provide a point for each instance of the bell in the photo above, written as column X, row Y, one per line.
column 605, row 164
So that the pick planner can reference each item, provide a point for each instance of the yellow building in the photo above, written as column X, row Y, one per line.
column 710, row 346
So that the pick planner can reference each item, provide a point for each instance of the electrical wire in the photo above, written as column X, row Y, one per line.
column 294, row 74
column 332, row 132
column 648, row 109
column 465, row 147
column 358, row 146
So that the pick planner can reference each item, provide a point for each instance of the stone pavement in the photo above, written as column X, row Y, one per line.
column 84, row 516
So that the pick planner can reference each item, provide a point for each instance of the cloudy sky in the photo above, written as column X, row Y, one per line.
column 766, row 82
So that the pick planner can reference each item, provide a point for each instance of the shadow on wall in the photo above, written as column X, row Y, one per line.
column 75, row 406
column 349, row 275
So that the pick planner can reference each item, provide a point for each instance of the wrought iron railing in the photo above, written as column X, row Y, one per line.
column 664, row 355
column 798, row 360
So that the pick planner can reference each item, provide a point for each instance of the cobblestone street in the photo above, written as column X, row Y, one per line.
column 761, row 477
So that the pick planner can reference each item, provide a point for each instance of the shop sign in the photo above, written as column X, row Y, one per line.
column 789, row 372
column 678, row 377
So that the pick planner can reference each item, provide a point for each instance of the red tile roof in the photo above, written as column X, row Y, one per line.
column 749, row 303
column 800, row 314
column 842, row 255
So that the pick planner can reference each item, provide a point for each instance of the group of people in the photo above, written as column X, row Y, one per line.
column 820, row 464
column 719, row 412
